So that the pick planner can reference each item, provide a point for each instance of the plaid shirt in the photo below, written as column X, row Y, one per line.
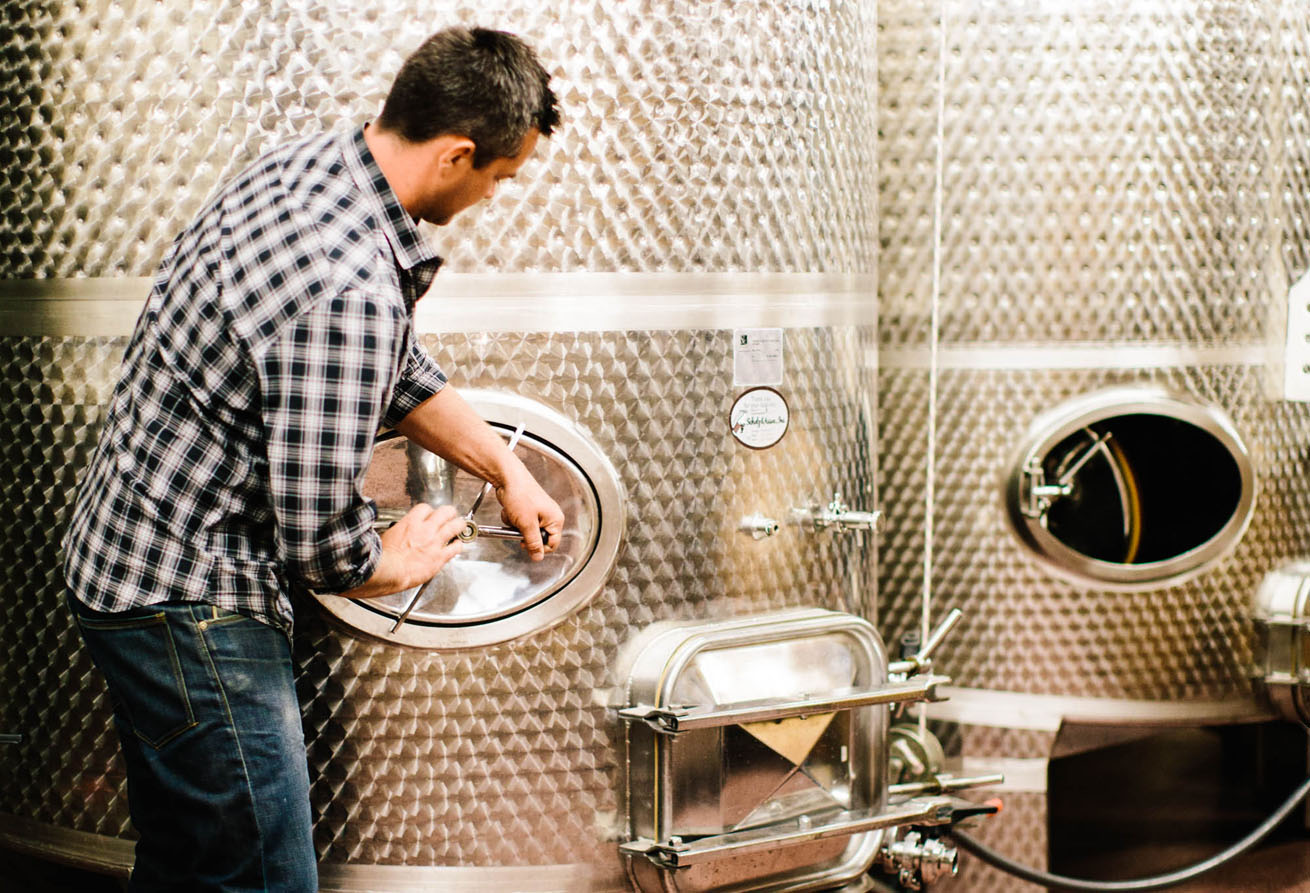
column 276, row 341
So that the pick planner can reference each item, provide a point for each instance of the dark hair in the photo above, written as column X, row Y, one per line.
column 486, row 85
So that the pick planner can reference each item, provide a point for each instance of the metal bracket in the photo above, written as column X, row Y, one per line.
column 677, row 853
column 676, row 719
column 1037, row 494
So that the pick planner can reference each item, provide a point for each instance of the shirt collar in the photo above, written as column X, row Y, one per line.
column 407, row 243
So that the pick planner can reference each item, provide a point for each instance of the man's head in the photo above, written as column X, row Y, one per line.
column 485, row 85
column 464, row 113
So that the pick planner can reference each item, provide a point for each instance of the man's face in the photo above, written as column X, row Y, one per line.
column 467, row 185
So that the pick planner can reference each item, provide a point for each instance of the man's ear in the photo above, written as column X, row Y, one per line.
column 452, row 151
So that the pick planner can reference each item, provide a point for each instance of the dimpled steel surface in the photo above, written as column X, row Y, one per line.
column 1127, row 176
column 66, row 771
column 697, row 136
column 1110, row 173
column 1031, row 632
column 509, row 755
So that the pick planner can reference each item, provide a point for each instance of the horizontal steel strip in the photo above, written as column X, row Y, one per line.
column 114, row 856
column 1074, row 355
column 569, row 302
column 512, row 302
column 81, row 849
column 1020, row 710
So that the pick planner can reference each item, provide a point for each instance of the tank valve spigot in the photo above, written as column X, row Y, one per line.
column 836, row 516
column 759, row 526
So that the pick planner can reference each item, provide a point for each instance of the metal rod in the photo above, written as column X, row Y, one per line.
column 943, row 629
column 943, row 784
column 486, row 488
column 678, row 854
column 675, row 720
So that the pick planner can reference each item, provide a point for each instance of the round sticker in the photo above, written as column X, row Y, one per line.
column 759, row 418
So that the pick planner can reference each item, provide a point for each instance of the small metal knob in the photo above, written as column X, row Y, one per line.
column 759, row 526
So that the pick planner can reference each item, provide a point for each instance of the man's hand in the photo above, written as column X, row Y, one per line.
column 525, row 505
column 446, row 425
column 414, row 549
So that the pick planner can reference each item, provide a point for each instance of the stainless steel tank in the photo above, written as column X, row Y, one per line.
column 1115, row 211
column 712, row 189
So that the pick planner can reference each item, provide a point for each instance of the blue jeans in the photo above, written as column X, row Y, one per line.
column 217, row 781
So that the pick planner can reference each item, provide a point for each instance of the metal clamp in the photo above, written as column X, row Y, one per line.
column 472, row 530
column 676, row 719
column 676, row 853
column 1038, row 495
column 468, row 519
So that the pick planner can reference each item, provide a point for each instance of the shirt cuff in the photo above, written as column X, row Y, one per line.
column 357, row 574
column 421, row 381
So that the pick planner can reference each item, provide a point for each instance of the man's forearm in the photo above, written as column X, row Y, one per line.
column 445, row 424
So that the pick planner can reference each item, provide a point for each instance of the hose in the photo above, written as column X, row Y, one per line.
column 1158, row 882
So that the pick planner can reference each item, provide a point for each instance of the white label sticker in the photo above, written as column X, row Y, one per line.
column 759, row 418
column 756, row 357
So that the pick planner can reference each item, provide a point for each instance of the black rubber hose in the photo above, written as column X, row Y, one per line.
column 1158, row 882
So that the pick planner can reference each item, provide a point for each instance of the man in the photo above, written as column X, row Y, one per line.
column 275, row 343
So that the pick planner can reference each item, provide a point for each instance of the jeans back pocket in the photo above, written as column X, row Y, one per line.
column 139, row 660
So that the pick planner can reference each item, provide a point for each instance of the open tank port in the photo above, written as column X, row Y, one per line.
column 1142, row 488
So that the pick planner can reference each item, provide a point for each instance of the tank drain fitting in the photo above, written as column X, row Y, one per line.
column 917, row 858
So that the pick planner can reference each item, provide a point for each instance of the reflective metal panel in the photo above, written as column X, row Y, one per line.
column 500, row 755
column 697, row 136
column 1109, row 172
column 1119, row 189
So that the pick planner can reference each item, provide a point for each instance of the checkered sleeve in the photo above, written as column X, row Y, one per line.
column 421, row 379
column 325, row 381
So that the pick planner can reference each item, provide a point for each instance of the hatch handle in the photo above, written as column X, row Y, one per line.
column 676, row 719
column 922, row 660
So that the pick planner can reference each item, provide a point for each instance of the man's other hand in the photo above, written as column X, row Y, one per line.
column 525, row 505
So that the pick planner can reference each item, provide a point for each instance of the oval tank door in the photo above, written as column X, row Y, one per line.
column 491, row 592
column 1130, row 488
